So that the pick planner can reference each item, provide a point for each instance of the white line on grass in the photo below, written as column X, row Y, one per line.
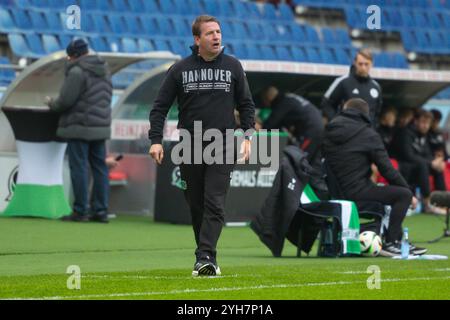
column 156, row 277
column 276, row 286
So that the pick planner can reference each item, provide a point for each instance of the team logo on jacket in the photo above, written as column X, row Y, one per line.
column 176, row 179
column 291, row 185
column 374, row 93
column 12, row 181
column 355, row 91
column 206, row 79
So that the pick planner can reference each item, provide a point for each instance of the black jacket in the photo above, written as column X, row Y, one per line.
column 350, row 146
column 387, row 136
column 291, row 110
column 207, row 91
column 85, row 100
column 437, row 142
column 412, row 147
column 352, row 86
column 283, row 201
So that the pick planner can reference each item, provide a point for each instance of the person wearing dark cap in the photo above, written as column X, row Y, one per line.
column 84, row 104
column 351, row 145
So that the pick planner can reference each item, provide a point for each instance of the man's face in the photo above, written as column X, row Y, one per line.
column 210, row 39
column 362, row 66
column 389, row 119
column 423, row 125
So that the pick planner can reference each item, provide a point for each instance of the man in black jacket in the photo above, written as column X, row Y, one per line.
column 416, row 159
column 350, row 147
column 209, row 85
column 356, row 84
column 297, row 115
column 85, row 122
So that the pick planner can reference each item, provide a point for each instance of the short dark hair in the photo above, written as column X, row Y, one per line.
column 77, row 48
column 436, row 114
column 422, row 113
column 199, row 21
column 358, row 104
column 366, row 53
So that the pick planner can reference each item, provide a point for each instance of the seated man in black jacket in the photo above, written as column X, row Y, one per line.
column 416, row 159
column 350, row 147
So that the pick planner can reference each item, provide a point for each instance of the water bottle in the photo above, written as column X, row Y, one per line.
column 419, row 201
column 405, row 244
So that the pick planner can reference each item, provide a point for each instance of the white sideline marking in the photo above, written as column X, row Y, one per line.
column 157, row 277
column 152, row 293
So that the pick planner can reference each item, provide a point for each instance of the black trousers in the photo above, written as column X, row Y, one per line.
column 417, row 174
column 399, row 198
column 206, row 188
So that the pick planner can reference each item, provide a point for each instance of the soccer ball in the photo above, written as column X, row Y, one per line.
column 370, row 244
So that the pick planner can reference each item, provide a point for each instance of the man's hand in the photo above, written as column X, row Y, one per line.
column 414, row 203
column 157, row 153
column 48, row 100
column 438, row 164
column 246, row 149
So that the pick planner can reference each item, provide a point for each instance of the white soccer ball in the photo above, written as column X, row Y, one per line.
column 370, row 244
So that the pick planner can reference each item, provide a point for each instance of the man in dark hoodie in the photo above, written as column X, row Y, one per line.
column 297, row 115
column 356, row 84
column 351, row 146
column 84, row 103
column 209, row 85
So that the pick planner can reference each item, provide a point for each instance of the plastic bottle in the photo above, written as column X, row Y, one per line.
column 405, row 244
column 419, row 201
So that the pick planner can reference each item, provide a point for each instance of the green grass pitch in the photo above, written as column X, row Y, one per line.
column 135, row 258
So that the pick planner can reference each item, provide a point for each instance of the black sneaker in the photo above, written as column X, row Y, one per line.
column 76, row 217
column 417, row 251
column 391, row 249
column 99, row 217
column 205, row 268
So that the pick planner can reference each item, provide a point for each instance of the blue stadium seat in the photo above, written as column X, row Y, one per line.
column 117, row 24
column 408, row 39
column 64, row 40
column 137, row 6
column 343, row 37
column 19, row 45
column 150, row 25
column 342, row 56
column 7, row 3
column 50, row 43
column 226, row 8
column 181, row 27
column 161, row 45
column 133, row 24
column 299, row 53
column 271, row 32
column 35, row 44
column 298, row 33
column 328, row 36
column 60, row 4
column 54, row 21
column 6, row 21
column 240, row 30
column 129, row 45
column 256, row 30
column 38, row 20
column 311, row 35
column 145, row 45
column 400, row 61
column 113, row 43
column 121, row 6
column 88, row 5
column 242, row 9
column 178, row 47
column 39, row 3
column 285, row 11
column 211, row 7
column 313, row 54
column 283, row 32
column 101, row 24
column 150, row 6
column 99, row 44
column 227, row 30
column 408, row 19
column 21, row 18
column 269, row 12
column 355, row 17
column 254, row 52
column 327, row 55
column 268, row 52
column 253, row 10
column 165, row 26
column 240, row 50
column 181, row 7
column 104, row 6
column 167, row 7
column 283, row 53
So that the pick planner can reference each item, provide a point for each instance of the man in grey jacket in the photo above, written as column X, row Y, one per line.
column 85, row 123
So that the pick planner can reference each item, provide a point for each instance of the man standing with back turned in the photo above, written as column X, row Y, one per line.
column 208, row 85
